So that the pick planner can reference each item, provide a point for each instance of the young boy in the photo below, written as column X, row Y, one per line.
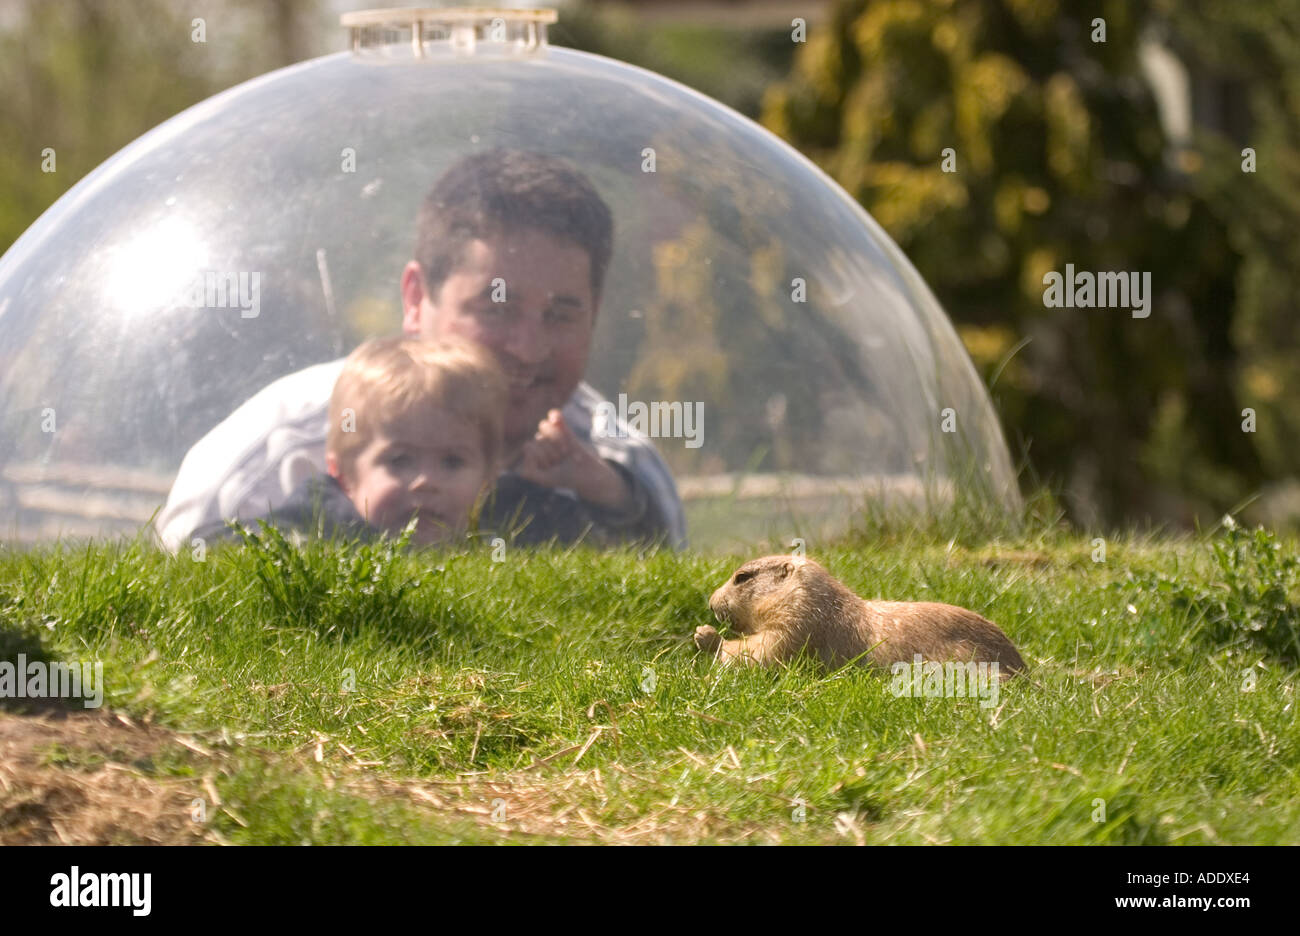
column 416, row 430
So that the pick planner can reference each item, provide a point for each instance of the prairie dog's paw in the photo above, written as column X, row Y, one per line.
column 707, row 638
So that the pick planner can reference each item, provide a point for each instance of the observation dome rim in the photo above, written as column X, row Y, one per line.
column 405, row 16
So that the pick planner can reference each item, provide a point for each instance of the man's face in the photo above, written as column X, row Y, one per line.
column 540, row 333
column 433, row 466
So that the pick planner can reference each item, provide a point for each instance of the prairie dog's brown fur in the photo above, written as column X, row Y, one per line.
column 784, row 604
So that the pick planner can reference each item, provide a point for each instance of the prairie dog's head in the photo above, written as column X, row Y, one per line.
column 757, row 586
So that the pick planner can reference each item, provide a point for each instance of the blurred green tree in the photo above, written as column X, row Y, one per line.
column 1059, row 159
column 84, row 78
column 1248, row 98
column 732, row 64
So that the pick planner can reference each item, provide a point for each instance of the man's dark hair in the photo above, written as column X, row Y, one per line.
column 501, row 191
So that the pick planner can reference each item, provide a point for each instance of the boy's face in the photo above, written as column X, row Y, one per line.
column 540, row 333
column 433, row 466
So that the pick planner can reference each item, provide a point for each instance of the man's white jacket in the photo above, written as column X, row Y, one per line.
column 252, row 461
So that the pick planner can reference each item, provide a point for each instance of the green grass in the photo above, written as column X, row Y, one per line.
column 363, row 694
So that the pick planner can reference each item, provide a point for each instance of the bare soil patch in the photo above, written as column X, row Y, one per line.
column 85, row 778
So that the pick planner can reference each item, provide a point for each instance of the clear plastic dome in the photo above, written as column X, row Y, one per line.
column 742, row 280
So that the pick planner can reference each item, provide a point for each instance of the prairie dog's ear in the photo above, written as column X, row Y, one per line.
column 790, row 566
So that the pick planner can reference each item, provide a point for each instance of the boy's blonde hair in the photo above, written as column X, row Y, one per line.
column 386, row 378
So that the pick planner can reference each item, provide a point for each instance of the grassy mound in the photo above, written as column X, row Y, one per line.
column 336, row 693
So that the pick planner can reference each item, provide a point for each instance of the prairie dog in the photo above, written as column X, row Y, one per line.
column 781, row 605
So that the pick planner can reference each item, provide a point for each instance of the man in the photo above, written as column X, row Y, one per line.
column 512, row 250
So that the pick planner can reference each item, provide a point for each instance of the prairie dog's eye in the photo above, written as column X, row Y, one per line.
column 743, row 576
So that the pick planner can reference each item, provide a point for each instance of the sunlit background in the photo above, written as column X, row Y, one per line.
column 1122, row 155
